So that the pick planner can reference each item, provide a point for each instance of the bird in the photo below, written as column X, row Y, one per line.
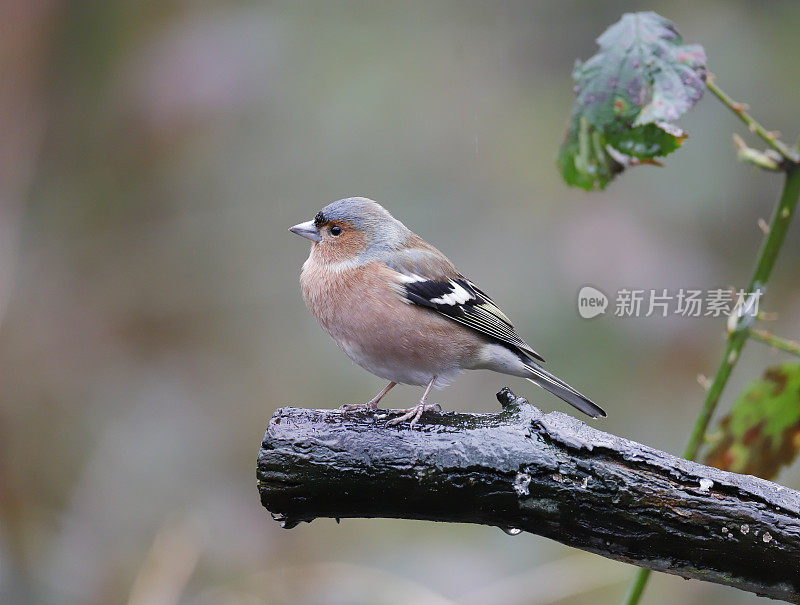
column 401, row 310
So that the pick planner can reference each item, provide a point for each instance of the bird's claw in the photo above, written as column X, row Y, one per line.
column 413, row 413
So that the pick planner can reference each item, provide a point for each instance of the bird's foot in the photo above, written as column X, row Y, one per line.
column 413, row 413
column 370, row 406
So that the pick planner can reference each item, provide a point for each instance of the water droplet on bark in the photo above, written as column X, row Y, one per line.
column 284, row 521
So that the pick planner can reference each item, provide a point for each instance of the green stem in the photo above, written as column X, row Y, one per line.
column 778, row 342
column 752, row 124
column 637, row 586
column 779, row 224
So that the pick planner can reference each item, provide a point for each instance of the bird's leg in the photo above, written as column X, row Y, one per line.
column 372, row 404
column 415, row 412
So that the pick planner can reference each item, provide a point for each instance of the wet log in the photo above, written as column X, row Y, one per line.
column 548, row 474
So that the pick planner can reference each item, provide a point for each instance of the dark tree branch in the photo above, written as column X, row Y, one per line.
column 547, row 474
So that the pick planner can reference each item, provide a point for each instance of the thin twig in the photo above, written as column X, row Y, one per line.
column 778, row 226
column 740, row 109
column 778, row 342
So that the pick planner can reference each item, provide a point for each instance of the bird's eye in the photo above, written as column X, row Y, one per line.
column 336, row 230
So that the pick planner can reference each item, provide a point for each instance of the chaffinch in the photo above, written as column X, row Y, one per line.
column 400, row 309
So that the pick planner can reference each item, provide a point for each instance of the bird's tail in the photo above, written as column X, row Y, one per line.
column 561, row 389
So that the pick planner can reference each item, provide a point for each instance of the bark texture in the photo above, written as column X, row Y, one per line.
column 548, row 474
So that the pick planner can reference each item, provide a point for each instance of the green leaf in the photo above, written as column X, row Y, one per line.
column 647, row 141
column 762, row 431
column 642, row 79
column 583, row 159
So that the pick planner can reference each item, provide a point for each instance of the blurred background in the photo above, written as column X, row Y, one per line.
column 152, row 155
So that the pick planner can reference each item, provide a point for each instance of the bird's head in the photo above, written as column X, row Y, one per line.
column 355, row 228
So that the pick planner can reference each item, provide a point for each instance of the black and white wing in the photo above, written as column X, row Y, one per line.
column 429, row 280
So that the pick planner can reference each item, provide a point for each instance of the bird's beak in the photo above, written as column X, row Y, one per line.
column 308, row 230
